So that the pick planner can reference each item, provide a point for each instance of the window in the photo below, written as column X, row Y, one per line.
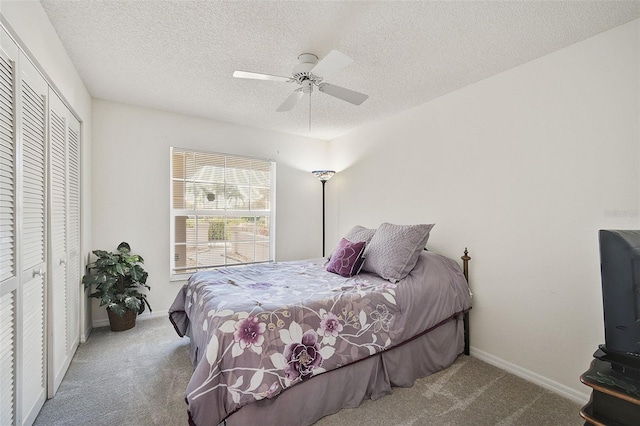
column 222, row 211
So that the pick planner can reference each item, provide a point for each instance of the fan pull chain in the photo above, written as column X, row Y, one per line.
column 309, row 111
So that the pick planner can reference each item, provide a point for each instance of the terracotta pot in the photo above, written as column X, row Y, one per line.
column 122, row 323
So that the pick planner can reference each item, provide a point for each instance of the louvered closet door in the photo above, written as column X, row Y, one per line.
column 58, row 242
column 64, row 238
column 74, row 278
column 40, row 263
column 23, row 98
column 8, row 232
column 32, row 232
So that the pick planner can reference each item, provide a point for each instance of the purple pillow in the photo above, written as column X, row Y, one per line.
column 346, row 259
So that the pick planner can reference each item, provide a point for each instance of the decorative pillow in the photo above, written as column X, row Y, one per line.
column 356, row 234
column 347, row 258
column 394, row 250
column 360, row 233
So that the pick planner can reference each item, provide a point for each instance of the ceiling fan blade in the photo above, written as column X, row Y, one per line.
column 260, row 76
column 350, row 96
column 331, row 64
column 291, row 101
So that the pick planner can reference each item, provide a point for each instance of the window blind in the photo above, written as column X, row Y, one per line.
column 222, row 210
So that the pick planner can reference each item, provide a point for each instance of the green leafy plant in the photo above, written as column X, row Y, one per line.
column 216, row 229
column 118, row 279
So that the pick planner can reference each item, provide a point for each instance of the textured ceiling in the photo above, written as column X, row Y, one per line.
column 180, row 55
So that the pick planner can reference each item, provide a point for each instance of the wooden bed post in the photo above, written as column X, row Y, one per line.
column 465, row 264
column 465, row 270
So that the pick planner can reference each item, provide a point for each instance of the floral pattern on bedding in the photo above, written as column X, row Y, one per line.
column 290, row 332
column 260, row 329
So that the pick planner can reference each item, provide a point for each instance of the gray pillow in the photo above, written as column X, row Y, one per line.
column 357, row 234
column 360, row 233
column 394, row 250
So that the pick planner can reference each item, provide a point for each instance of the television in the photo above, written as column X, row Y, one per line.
column 620, row 271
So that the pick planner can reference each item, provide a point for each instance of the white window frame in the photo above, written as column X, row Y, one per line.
column 225, row 212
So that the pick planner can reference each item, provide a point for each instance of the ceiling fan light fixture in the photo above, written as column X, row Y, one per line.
column 307, row 86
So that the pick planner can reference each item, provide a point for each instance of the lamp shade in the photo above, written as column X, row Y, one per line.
column 323, row 175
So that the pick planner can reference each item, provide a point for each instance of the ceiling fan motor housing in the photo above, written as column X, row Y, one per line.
column 301, row 72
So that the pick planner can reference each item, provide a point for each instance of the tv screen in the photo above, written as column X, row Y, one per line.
column 620, row 270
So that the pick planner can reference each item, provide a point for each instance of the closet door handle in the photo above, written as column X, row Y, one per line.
column 37, row 272
column 63, row 261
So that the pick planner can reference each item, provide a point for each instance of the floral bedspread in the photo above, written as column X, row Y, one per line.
column 256, row 330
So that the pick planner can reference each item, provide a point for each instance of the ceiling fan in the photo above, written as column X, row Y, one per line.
column 309, row 73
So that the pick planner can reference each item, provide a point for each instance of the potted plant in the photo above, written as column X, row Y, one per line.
column 118, row 279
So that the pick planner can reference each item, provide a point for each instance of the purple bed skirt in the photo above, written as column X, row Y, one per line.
column 349, row 386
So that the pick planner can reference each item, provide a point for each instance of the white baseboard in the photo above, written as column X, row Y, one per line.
column 145, row 316
column 529, row 375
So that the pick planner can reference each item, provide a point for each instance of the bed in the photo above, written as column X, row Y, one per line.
column 288, row 343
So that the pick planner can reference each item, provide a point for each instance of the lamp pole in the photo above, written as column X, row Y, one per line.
column 323, row 244
column 323, row 176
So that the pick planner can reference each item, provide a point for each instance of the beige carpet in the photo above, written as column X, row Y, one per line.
column 138, row 377
column 470, row 392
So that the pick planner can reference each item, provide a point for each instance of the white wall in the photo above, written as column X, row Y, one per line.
column 130, row 168
column 524, row 168
column 28, row 22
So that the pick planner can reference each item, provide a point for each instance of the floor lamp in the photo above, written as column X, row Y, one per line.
column 323, row 176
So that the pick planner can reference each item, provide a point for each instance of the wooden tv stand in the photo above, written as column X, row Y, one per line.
column 615, row 399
